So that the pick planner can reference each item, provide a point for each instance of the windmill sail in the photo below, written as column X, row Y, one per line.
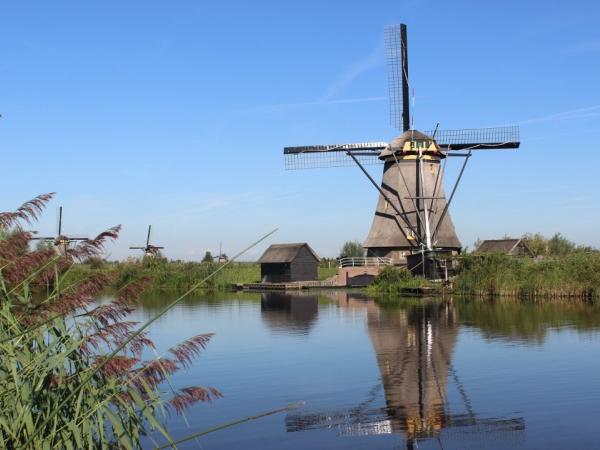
column 396, row 53
column 333, row 155
column 478, row 138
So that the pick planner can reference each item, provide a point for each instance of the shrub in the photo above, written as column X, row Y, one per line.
column 390, row 275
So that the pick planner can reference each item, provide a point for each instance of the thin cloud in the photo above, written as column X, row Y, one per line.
column 590, row 111
column 355, row 70
column 211, row 203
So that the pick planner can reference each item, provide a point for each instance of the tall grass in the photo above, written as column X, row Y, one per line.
column 176, row 276
column 71, row 372
column 574, row 275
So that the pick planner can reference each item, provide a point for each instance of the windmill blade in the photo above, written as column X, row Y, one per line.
column 373, row 421
column 148, row 238
column 155, row 247
column 59, row 220
column 477, row 138
column 396, row 52
column 137, row 248
column 334, row 155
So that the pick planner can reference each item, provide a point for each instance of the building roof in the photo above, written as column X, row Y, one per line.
column 500, row 246
column 284, row 253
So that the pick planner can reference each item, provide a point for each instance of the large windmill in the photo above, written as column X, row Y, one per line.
column 148, row 249
column 412, row 224
column 61, row 241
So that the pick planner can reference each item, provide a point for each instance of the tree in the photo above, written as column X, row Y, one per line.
column 208, row 257
column 558, row 245
column 352, row 249
column 537, row 243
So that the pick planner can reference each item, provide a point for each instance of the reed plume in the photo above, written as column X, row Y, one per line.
column 71, row 371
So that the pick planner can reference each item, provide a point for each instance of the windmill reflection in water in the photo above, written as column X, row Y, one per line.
column 413, row 347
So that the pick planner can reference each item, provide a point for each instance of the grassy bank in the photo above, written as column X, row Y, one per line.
column 177, row 275
column 575, row 275
column 572, row 276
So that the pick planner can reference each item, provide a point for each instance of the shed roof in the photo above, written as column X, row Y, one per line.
column 499, row 245
column 284, row 253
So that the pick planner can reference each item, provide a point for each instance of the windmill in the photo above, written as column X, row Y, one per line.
column 149, row 249
column 412, row 223
column 61, row 241
column 221, row 257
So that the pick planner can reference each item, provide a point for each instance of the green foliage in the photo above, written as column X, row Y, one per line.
column 352, row 249
column 208, row 257
column 71, row 371
column 391, row 274
column 537, row 243
column 557, row 245
column 576, row 274
column 394, row 280
column 95, row 262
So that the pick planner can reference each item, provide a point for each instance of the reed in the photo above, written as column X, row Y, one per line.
column 72, row 373
column 175, row 276
column 575, row 275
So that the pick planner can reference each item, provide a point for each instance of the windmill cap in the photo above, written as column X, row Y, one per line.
column 397, row 145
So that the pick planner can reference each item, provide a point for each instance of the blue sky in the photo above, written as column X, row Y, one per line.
column 176, row 113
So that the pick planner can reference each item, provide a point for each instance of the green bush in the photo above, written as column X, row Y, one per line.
column 394, row 280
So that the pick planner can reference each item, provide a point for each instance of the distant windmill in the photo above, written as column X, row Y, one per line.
column 61, row 241
column 412, row 224
column 149, row 249
column 221, row 257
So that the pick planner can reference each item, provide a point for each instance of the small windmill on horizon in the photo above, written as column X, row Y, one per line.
column 221, row 257
column 148, row 249
column 412, row 223
column 61, row 241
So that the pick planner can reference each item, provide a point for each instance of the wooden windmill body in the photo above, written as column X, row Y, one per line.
column 412, row 224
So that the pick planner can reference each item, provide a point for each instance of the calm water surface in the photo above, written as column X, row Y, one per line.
column 422, row 374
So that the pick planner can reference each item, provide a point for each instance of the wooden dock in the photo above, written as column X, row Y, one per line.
column 291, row 286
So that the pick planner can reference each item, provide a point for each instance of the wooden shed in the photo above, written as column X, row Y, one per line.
column 511, row 247
column 283, row 263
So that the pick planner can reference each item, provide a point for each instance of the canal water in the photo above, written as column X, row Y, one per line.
column 409, row 374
